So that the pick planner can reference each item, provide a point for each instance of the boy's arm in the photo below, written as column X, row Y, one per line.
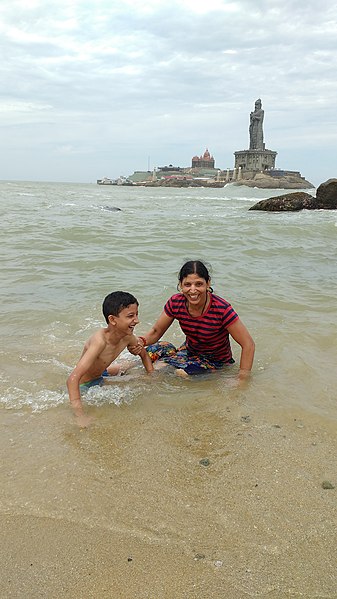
column 147, row 362
column 84, row 364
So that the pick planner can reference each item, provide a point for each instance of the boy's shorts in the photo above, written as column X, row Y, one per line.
column 93, row 382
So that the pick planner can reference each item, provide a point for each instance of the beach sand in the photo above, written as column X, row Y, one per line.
column 191, row 501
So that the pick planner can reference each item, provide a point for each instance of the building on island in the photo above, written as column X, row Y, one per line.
column 205, row 161
column 201, row 172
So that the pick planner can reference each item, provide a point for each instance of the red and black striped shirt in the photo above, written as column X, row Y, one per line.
column 206, row 334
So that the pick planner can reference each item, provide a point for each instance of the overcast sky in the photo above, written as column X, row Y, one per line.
column 93, row 88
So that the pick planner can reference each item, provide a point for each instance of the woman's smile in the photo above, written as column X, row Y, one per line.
column 194, row 289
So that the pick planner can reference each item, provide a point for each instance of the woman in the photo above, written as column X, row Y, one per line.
column 207, row 321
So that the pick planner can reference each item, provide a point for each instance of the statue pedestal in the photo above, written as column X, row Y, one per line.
column 255, row 160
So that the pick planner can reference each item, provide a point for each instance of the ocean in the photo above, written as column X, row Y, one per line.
column 65, row 246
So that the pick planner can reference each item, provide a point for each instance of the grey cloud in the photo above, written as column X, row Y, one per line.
column 166, row 77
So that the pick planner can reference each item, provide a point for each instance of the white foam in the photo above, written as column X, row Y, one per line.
column 16, row 398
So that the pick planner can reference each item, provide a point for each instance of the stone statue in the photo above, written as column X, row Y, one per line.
column 255, row 127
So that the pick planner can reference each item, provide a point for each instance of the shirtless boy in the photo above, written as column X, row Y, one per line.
column 120, row 310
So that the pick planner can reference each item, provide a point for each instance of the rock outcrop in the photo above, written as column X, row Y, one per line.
column 290, row 202
column 326, row 199
column 182, row 182
column 326, row 195
column 264, row 181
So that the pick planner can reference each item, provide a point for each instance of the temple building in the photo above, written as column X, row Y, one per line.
column 205, row 161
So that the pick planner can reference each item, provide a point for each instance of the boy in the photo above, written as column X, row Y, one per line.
column 120, row 310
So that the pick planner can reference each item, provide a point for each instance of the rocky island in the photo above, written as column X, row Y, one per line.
column 278, row 180
column 254, row 167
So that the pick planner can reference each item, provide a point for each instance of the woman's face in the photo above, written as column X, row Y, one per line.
column 194, row 289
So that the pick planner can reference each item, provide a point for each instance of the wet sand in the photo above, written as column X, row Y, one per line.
column 193, row 501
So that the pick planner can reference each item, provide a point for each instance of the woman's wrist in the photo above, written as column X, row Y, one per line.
column 244, row 373
column 143, row 339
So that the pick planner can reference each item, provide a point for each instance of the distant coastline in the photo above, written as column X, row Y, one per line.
column 186, row 178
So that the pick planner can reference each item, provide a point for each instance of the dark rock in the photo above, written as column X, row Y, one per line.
column 326, row 199
column 326, row 195
column 326, row 484
column 290, row 202
column 111, row 208
column 204, row 462
column 245, row 419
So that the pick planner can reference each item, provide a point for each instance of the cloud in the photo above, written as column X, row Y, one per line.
column 115, row 81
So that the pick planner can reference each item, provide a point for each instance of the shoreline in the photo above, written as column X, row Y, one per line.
column 151, row 521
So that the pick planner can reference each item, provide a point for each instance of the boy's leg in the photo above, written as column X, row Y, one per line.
column 117, row 368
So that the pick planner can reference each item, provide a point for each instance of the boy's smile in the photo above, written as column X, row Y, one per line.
column 127, row 319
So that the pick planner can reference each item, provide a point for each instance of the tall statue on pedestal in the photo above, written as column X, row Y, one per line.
column 256, row 127
column 257, row 159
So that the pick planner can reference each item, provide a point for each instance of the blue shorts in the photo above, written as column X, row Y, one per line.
column 93, row 382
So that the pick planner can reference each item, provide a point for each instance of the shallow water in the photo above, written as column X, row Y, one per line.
column 63, row 251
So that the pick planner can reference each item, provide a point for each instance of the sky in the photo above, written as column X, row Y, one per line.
column 94, row 88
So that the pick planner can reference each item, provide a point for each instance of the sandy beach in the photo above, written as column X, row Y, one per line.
column 226, row 501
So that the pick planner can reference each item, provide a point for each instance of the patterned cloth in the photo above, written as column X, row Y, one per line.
column 183, row 359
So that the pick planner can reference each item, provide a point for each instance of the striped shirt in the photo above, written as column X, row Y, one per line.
column 206, row 334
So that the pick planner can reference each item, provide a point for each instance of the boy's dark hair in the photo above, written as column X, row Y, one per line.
column 194, row 267
column 115, row 302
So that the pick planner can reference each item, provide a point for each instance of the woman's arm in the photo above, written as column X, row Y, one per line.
column 155, row 333
column 241, row 335
column 158, row 329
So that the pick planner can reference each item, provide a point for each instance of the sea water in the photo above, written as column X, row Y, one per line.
column 64, row 247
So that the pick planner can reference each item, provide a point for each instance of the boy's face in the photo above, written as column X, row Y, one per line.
column 126, row 320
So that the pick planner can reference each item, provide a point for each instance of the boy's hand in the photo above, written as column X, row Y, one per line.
column 83, row 421
column 137, row 348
